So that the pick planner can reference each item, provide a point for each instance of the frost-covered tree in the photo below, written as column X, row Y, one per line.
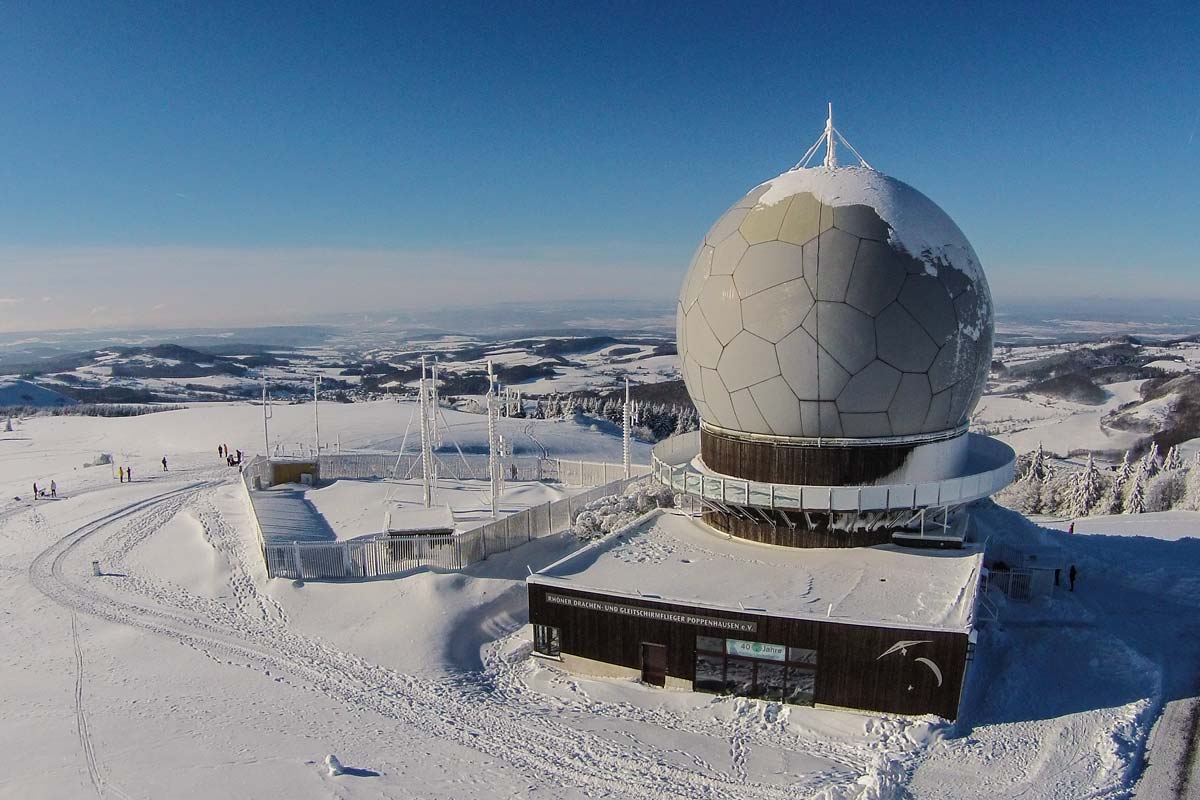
column 1149, row 465
column 1166, row 490
column 1174, row 459
column 1086, row 490
column 1135, row 502
column 1038, row 469
column 1120, row 484
column 1191, row 499
column 1029, row 493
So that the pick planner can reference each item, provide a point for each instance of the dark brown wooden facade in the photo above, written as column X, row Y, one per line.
column 802, row 464
column 798, row 534
column 858, row 666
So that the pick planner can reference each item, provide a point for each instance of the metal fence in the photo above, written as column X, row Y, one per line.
column 1016, row 584
column 389, row 556
column 395, row 555
column 473, row 466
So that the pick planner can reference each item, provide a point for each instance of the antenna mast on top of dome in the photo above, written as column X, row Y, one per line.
column 830, row 137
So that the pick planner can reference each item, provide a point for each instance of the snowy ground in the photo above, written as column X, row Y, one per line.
column 184, row 672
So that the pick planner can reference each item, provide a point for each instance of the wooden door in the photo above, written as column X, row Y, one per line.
column 654, row 664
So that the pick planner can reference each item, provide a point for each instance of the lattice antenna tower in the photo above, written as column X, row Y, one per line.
column 493, row 442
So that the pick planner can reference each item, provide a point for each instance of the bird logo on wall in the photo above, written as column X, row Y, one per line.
column 902, row 647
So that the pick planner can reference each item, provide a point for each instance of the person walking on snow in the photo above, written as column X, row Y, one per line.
column 121, row 473
column 35, row 490
column 129, row 474
column 53, row 489
column 220, row 451
column 1071, row 576
column 164, row 463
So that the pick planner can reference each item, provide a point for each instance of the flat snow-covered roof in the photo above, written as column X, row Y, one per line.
column 670, row 557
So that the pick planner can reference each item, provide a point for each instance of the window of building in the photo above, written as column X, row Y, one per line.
column 710, row 673
column 802, row 655
column 546, row 641
column 749, row 669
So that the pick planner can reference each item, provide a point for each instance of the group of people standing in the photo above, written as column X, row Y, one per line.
column 44, row 492
column 230, row 458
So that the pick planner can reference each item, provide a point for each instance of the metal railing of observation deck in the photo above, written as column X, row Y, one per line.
column 990, row 465
column 389, row 556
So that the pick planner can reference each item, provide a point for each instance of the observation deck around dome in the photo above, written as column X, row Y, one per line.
column 670, row 558
column 989, row 467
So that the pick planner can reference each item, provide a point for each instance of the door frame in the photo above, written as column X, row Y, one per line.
column 650, row 675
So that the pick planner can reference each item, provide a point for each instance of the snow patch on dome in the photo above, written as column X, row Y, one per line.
column 919, row 227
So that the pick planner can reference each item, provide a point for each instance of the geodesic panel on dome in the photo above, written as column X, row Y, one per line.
column 802, row 223
column 702, row 343
column 926, row 298
column 747, row 410
column 763, row 222
column 724, row 317
column 725, row 226
column 747, row 360
column 835, row 262
column 877, row 278
column 779, row 407
column 810, row 312
column 860, row 221
column 846, row 333
column 910, row 406
column 901, row 340
column 727, row 255
column 775, row 312
column 766, row 265
column 870, row 389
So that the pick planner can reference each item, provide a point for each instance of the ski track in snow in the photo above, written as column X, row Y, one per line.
column 81, row 724
column 492, row 713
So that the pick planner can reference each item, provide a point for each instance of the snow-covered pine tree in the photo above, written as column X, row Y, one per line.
column 1087, row 490
column 1120, row 484
column 1135, row 503
column 1174, row 459
column 1191, row 483
column 1149, row 465
column 1038, row 469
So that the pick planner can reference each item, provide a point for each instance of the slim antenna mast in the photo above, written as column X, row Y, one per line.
column 317, row 412
column 266, row 404
column 830, row 141
column 830, row 137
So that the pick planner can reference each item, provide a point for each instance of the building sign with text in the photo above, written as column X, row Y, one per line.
column 658, row 614
column 770, row 652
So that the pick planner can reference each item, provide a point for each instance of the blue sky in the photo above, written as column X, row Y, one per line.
column 171, row 163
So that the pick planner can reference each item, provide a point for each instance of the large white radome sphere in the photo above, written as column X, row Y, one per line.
column 835, row 303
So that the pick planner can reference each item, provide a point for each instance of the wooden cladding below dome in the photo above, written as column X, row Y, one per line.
column 801, row 464
column 783, row 534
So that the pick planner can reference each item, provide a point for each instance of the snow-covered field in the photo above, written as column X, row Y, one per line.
column 1024, row 421
column 184, row 672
